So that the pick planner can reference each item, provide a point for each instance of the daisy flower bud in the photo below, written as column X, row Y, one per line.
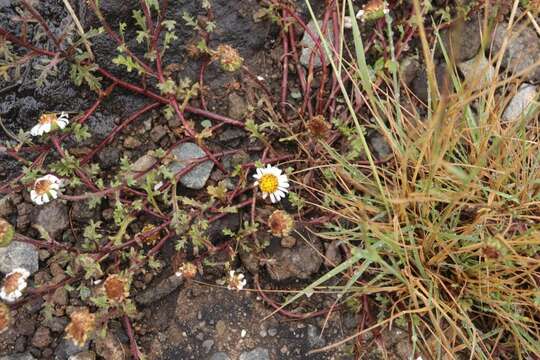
column 373, row 10
column 45, row 189
column 229, row 58
column 272, row 182
column 116, row 288
column 81, row 326
column 14, row 284
column 6, row 233
column 280, row 223
column 5, row 317
column 188, row 270
column 236, row 281
column 151, row 239
column 50, row 122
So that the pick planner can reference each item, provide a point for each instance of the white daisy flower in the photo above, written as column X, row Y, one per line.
column 236, row 281
column 50, row 122
column 272, row 182
column 45, row 189
column 14, row 284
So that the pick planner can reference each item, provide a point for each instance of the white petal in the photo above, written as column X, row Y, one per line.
column 283, row 189
column 45, row 198
column 35, row 131
column 280, row 193
column 53, row 193
column 33, row 195
column 264, row 195
column 45, row 128
column 276, row 171
column 283, row 185
column 257, row 176
column 273, row 198
column 62, row 123
column 51, row 178
column 259, row 172
column 38, row 200
column 283, row 178
column 256, row 183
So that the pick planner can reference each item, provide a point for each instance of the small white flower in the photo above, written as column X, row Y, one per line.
column 45, row 189
column 272, row 182
column 236, row 281
column 50, row 122
column 243, row 333
column 260, row 78
column 14, row 284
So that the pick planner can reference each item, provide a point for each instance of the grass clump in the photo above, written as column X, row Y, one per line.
column 445, row 232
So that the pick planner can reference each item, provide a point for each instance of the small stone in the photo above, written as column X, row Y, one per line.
column 60, row 297
column 333, row 254
column 100, row 126
column 477, row 72
column 522, row 104
column 220, row 356
column 80, row 210
column 408, row 69
column 67, row 348
column 132, row 142
column 53, row 217
column 19, row 255
column 314, row 336
column 42, row 337
column 237, row 106
column 379, row 146
column 309, row 46
column 299, row 262
column 6, row 206
column 207, row 345
column 522, row 50
column 184, row 154
column 158, row 132
column 110, row 347
column 272, row 332
column 109, row 157
column 142, row 165
column 231, row 134
column 56, row 324
column 255, row 354
column 24, row 210
column 25, row 326
column 420, row 84
column 463, row 40
column 24, row 356
column 288, row 241
column 162, row 289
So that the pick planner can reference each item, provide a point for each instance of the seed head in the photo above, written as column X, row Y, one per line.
column 6, row 233
column 5, row 317
column 81, row 326
column 280, row 223
column 229, row 58
column 116, row 288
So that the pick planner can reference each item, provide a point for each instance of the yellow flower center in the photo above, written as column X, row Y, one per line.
column 268, row 183
column 47, row 119
column 42, row 186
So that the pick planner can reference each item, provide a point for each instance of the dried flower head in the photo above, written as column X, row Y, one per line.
column 272, row 182
column 14, row 284
column 228, row 57
column 81, row 326
column 318, row 127
column 236, row 281
column 188, row 270
column 116, row 288
column 149, row 239
column 280, row 223
column 45, row 189
column 50, row 122
column 6, row 233
column 5, row 317
column 373, row 10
